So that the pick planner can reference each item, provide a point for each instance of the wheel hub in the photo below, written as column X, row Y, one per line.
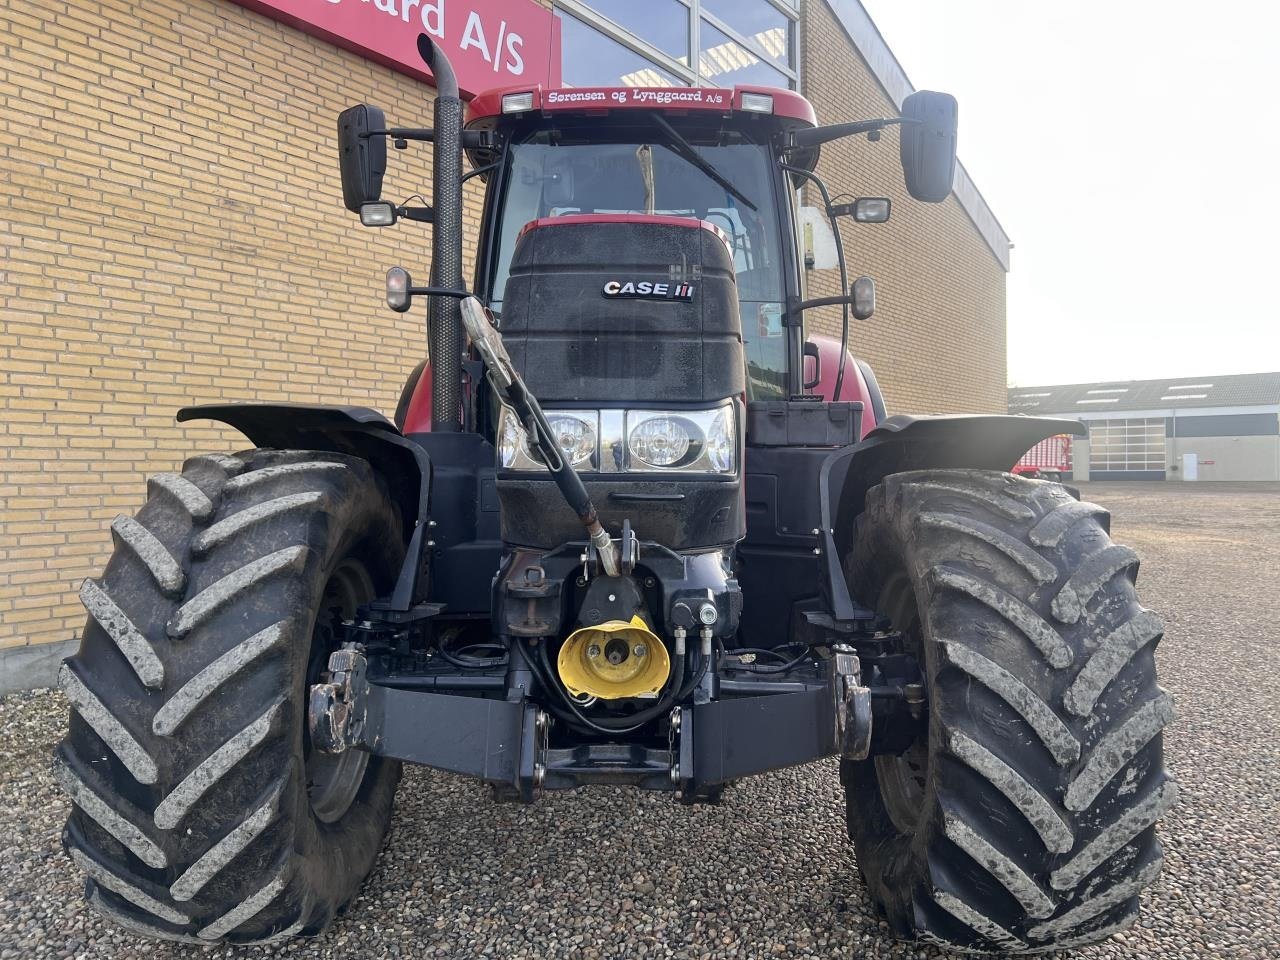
column 902, row 785
column 334, row 780
column 903, row 778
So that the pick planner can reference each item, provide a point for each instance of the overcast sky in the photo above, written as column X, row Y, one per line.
column 1132, row 151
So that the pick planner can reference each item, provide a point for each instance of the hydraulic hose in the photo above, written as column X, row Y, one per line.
column 676, row 690
column 508, row 383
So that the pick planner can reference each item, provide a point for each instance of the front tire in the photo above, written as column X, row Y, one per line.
column 1023, row 820
column 200, row 812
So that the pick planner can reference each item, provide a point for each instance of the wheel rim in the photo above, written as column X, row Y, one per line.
column 333, row 780
column 903, row 778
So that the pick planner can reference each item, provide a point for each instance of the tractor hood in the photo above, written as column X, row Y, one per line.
column 624, row 310
column 628, row 318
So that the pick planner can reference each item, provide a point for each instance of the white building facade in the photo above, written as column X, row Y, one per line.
column 1224, row 428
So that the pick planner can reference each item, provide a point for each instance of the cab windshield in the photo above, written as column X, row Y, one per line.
column 553, row 173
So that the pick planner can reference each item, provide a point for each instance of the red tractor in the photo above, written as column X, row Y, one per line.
column 615, row 538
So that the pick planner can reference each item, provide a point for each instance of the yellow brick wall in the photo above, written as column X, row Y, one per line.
column 937, row 341
column 172, row 232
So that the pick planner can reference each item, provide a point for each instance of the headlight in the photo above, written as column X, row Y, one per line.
column 721, row 445
column 688, row 441
column 664, row 441
column 510, row 439
column 575, row 437
column 576, row 433
column 635, row 441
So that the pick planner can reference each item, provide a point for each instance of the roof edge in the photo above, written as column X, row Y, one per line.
column 867, row 40
column 1130, row 383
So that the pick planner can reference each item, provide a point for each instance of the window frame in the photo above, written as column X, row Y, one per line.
column 582, row 10
column 754, row 47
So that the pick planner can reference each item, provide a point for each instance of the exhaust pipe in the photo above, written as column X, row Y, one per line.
column 444, row 318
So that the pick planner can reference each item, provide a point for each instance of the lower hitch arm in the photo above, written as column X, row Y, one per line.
column 502, row 374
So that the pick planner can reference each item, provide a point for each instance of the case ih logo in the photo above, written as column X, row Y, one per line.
column 647, row 290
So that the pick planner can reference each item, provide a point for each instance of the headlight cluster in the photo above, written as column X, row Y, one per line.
column 638, row 441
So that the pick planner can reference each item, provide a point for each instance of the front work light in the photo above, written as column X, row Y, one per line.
column 399, row 284
column 871, row 209
column 517, row 102
column 757, row 102
column 379, row 213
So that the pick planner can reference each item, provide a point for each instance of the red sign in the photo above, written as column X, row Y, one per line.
column 491, row 43
column 784, row 103
column 693, row 98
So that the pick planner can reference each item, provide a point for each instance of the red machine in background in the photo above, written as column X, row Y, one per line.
column 1050, row 459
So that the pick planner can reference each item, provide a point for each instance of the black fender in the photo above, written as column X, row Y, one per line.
column 357, row 432
column 901, row 443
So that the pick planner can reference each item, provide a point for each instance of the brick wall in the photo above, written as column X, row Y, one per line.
column 172, row 232
column 937, row 341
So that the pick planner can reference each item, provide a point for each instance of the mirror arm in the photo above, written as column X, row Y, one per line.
column 403, row 133
column 429, row 292
column 844, row 276
column 803, row 305
column 471, row 139
column 816, row 136
column 438, row 292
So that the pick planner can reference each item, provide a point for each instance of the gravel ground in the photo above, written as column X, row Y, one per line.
column 613, row 873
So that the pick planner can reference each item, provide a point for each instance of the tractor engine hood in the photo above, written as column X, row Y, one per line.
column 616, row 321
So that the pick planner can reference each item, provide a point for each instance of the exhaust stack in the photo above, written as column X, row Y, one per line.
column 444, row 319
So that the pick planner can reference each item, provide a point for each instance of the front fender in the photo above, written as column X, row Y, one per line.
column 902, row 443
column 354, row 431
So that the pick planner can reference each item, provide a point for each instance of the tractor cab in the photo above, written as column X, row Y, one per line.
column 705, row 154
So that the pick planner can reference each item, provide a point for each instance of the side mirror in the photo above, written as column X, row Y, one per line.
column 928, row 145
column 361, row 158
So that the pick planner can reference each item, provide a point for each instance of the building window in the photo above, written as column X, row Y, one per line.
column 608, row 43
column 764, row 26
column 593, row 59
column 1127, row 445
